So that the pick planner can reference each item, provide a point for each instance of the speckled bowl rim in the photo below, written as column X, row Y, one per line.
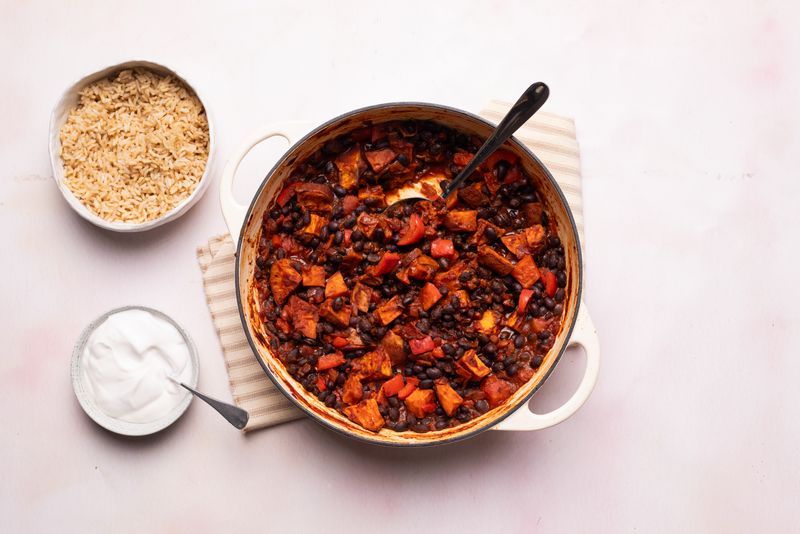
column 58, row 116
column 112, row 423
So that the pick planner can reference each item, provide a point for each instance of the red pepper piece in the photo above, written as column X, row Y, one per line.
column 411, row 384
column 393, row 386
column 387, row 263
column 413, row 232
column 524, row 296
column 339, row 342
column 321, row 385
column 550, row 283
column 287, row 193
column 443, row 248
column 329, row 361
column 419, row 346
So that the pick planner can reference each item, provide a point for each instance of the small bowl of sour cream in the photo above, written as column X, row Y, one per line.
column 121, row 369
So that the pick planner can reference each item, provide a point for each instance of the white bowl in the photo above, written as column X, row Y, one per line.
column 70, row 99
column 113, row 424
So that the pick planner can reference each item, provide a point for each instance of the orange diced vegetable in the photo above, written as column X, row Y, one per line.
column 411, row 385
column 443, row 248
column 349, row 204
column 422, row 268
column 321, row 385
column 372, row 366
column 532, row 213
column 517, row 244
column 386, row 264
column 448, row 398
column 314, row 275
column 487, row 324
column 340, row 342
column 304, row 316
column 287, row 193
column 462, row 158
column 461, row 221
column 393, row 386
column 413, row 232
column 361, row 297
column 315, row 197
column 380, row 159
column 352, row 390
column 550, row 282
column 350, row 165
column 315, row 225
column 340, row 317
column 473, row 196
column 428, row 296
column 421, row 402
column 392, row 344
column 374, row 192
column 283, row 279
column 540, row 325
column 496, row 390
column 488, row 257
column 329, row 361
column 420, row 346
column 534, row 236
column 366, row 414
column 473, row 365
column 335, row 286
column 526, row 272
column 390, row 310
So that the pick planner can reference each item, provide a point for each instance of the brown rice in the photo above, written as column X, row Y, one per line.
column 135, row 146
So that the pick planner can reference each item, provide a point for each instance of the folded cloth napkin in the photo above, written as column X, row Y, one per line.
column 551, row 137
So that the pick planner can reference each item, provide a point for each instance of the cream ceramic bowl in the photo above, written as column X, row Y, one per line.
column 59, row 115
column 244, row 224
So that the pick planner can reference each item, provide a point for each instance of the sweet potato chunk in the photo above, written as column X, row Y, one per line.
column 373, row 365
column 392, row 344
column 304, row 316
column 449, row 278
column 463, row 298
column 428, row 296
column 517, row 244
column 421, row 402
column 390, row 310
column 532, row 213
column 372, row 194
column 283, row 279
column 474, row 367
column 380, row 159
column 461, row 221
column 314, row 275
column 473, row 196
column 526, row 272
column 488, row 257
column 315, row 225
column 361, row 297
column 487, row 324
column 479, row 237
column 368, row 223
column 448, row 398
column 534, row 236
column 335, row 286
column 422, row 268
column 496, row 390
column 350, row 164
column 366, row 414
column 352, row 390
column 315, row 197
column 411, row 385
column 329, row 361
column 339, row 317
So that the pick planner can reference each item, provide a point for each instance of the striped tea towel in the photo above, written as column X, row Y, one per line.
column 551, row 137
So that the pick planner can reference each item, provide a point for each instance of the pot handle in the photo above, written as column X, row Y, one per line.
column 585, row 335
column 233, row 212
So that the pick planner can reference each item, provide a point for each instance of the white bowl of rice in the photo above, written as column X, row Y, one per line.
column 131, row 146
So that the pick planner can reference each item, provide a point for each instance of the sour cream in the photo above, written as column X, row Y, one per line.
column 126, row 363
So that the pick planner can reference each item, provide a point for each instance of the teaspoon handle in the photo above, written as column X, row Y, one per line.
column 234, row 415
column 529, row 103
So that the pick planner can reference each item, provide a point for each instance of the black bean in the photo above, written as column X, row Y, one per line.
column 393, row 401
column 361, row 209
column 561, row 278
column 490, row 348
column 490, row 233
column 536, row 362
column 338, row 302
column 444, row 264
column 448, row 349
column 338, row 237
column 402, row 159
column 498, row 366
column 512, row 369
column 465, row 276
column 358, row 246
column 401, row 427
column 482, row 406
column 519, row 341
column 433, row 372
column 339, row 191
column 330, row 401
column 558, row 309
column 514, row 202
column 418, row 368
column 560, row 295
column 394, row 414
column 333, row 226
column 419, row 427
column 323, row 395
column 549, row 303
column 357, row 235
column 426, row 384
column 349, row 221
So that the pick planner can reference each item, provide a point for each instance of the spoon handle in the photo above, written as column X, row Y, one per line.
column 528, row 104
column 235, row 415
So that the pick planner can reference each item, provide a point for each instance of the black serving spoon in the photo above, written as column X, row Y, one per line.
column 529, row 103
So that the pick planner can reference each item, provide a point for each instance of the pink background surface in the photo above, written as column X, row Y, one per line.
column 688, row 122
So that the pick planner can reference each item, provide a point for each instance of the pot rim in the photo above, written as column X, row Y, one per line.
column 320, row 418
